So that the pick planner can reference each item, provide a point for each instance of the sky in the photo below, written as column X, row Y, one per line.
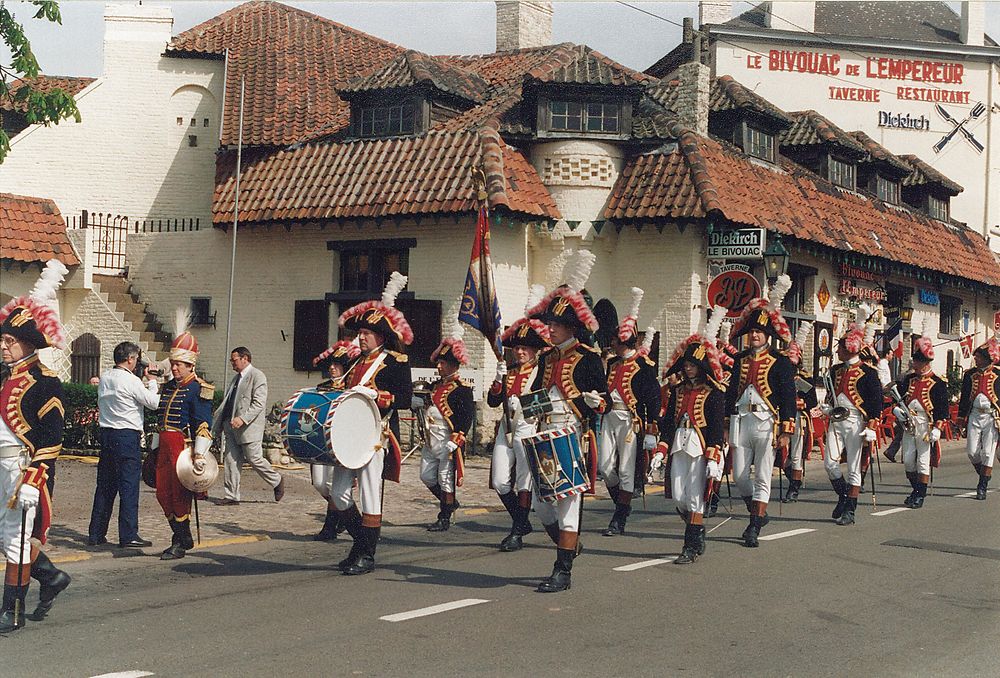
column 629, row 36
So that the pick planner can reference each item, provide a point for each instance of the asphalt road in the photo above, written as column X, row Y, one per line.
column 903, row 593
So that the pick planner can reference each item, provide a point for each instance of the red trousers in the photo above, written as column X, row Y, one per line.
column 174, row 498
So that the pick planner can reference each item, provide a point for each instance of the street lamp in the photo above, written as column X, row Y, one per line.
column 905, row 313
column 775, row 258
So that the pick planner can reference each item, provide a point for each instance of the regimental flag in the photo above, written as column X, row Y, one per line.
column 480, row 309
column 893, row 338
column 966, row 343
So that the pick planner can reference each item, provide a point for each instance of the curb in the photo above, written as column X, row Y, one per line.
column 78, row 556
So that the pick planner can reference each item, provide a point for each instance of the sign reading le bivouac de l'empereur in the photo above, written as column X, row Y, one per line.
column 743, row 243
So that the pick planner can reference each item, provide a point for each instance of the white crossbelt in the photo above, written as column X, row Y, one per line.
column 11, row 451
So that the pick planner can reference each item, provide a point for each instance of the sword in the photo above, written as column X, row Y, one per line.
column 18, row 602
column 197, row 520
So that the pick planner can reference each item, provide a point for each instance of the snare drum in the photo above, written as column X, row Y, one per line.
column 557, row 463
column 331, row 427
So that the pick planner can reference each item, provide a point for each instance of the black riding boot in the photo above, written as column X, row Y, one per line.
column 12, row 613
column 512, row 542
column 351, row 520
column 690, row 551
column 617, row 524
column 984, row 481
column 53, row 581
column 329, row 529
column 443, row 521
column 365, row 560
column 752, row 532
column 847, row 517
column 561, row 571
column 713, row 505
column 176, row 549
column 748, row 501
column 840, row 487
column 521, row 526
column 792, row 495
column 921, row 492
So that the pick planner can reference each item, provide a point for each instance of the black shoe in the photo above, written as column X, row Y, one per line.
column 440, row 525
column 137, row 543
column 97, row 541
column 751, row 533
column 512, row 542
column 561, row 573
column 329, row 530
column 687, row 556
column 361, row 565
column 173, row 552
column 838, row 510
column 908, row 502
column 847, row 517
column 352, row 556
column 13, row 599
column 792, row 495
column 365, row 560
column 279, row 489
column 8, row 622
column 617, row 525
column 918, row 501
column 713, row 505
column 53, row 581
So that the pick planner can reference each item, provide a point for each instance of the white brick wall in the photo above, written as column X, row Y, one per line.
column 523, row 23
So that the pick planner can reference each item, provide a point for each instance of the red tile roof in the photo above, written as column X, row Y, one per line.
column 811, row 128
column 703, row 177
column 292, row 61
column 379, row 178
column 880, row 153
column 925, row 174
column 43, row 83
column 32, row 230
column 414, row 68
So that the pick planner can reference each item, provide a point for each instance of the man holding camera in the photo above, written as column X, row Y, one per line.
column 121, row 397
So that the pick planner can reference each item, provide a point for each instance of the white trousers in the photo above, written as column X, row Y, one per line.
column 981, row 443
column 754, row 446
column 369, row 485
column 510, row 461
column 916, row 452
column 322, row 479
column 843, row 438
column 688, row 477
column 10, row 518
column 564, row 511
column 796, row 445
column 437, row 465
column 616, row 450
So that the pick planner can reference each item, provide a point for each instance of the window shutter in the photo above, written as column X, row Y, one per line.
column 424, row 316
column 311, row 332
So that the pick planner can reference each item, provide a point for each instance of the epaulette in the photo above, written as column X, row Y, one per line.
column 584, row 347
column 400, row 357
column 648, row 361
column 207, row 390
column 465, row 382
column 46, row 372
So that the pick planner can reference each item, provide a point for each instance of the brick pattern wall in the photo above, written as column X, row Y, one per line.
column 692, row 100
column 522, row 23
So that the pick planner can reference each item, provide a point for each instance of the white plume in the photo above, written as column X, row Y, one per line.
column 52, row 276
column 633, row 310
column 715, row 319
column 535, row 294
column 647, row 341
column 862, row 313
column 805, row 329
column 869, row 333
column 555, row 271
column 579, row 270
column 397, row 281
column 776, row 294
column 181, row 319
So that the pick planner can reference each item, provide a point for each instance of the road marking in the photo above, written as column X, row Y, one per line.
column 886, row 512
column 965, row 495
column 789, row 533
column 71, row 558
column 645, row 563
column 475, row 511
column 433, row 609
column 228, row 541
column 125, row 674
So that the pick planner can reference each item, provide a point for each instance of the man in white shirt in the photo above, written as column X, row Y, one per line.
column 121, row 397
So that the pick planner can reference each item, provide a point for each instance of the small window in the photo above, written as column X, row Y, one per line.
column 180, row 121
column 201, row 311
column 951, row 314
column 575, row 116
column 194, row 123
column 387, row 121
column 937, row 208
column 758, row 144
column 841, row 173
column 369, row 270
column 204, row 123
column 887, row 190
column 192, row 140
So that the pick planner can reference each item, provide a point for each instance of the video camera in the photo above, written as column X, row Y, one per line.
column 140, row 368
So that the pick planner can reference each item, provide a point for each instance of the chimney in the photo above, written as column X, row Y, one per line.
column 692, row 95
column 791, row 15
column 135, row 35
column 971, row 31
column 523, row 23
column 714, row 12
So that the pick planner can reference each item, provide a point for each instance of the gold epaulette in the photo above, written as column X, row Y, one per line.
column 47, row 372
column 584, row 347
column 400, row 357
column 207, row 390
column 649, row 362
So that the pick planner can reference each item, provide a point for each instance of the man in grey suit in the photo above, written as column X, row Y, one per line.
column 241, row 417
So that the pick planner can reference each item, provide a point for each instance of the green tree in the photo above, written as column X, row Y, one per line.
column 40, row 107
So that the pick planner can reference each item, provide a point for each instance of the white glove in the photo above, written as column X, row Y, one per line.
column 501, row 371
column 364, row 390
column 648, row 441
column 199, row 457
column 825, row 409
column 868, row 435
column 934, row 435
column 514, row 403
column 417, row 403
column 27, row 497
column 714, row 470
column 657, row 461
column 154, row 442
column 593, row 399
column 451, row 445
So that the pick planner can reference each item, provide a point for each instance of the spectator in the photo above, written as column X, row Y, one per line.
column 242, row 418
column 94, row 380
column 121, row 398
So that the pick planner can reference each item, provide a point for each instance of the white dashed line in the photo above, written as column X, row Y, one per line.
column 789, row 533
column 433, row 609
column 886, row 512
column 125, row 674
column 645, row 563
column 966, row 495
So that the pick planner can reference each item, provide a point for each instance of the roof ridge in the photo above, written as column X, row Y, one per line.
column 689, row 143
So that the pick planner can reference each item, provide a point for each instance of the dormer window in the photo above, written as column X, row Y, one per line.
column 937, row 208
column 387, row 121
column 577, row 116
column 841, row 173
column 758, row 143
column 887, row 190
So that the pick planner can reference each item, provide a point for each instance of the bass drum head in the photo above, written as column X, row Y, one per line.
column 355, row 429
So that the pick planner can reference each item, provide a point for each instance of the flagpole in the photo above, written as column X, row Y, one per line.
column 236, row 221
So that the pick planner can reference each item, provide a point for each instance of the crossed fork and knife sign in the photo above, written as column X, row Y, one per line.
column 959, row 127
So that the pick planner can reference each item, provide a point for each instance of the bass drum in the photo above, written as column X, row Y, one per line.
column 331, row 427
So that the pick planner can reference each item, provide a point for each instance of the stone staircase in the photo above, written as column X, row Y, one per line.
column 153, row 339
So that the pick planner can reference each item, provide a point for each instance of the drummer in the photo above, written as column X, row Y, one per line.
column 510, row 474
column 450, row 413
column 382, row 373
column 335, row 361
column 573, row 376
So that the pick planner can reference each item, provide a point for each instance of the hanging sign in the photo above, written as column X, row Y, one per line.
column 734, row 290
column 743, row 243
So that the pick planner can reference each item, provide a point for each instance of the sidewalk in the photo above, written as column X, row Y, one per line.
column 299, row 515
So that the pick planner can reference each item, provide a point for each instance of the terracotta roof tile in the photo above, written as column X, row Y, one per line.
column 880, row 153
column 292, row 61
column 703, row 176
column 414, row 68
column 925, row 174
column 812, row 128
column 33, row 230
column 43, row 83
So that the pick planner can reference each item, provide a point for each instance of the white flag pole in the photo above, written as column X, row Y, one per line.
column 232, row 262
